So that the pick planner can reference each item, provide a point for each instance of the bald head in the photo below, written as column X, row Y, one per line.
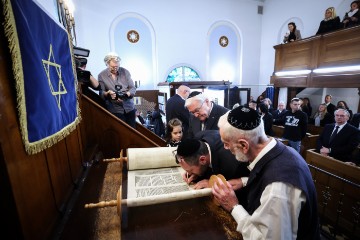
column 183, row 91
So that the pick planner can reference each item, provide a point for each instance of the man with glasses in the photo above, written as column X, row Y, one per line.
column 118, row 89
column 205, row 114
column 204, row 156
column 339, row 139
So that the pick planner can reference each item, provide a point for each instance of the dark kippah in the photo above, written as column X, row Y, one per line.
column 244, row 118
column 193, row 94
column 188, row 147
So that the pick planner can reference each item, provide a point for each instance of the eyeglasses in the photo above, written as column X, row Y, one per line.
column 177, row 159
column 114, row 67
column 197, row 110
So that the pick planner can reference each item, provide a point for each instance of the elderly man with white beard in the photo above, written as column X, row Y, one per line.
column 281, row 196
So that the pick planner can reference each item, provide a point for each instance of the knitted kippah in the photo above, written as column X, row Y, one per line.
column 188, row 147
column 244, row 118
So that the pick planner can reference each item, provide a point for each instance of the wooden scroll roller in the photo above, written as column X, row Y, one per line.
column 213, row 179
column 120, row 159
column 111, row 203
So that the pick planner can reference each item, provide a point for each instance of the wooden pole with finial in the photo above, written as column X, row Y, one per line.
column 120, row 159
column 111, row 203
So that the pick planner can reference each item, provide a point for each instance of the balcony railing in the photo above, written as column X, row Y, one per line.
column 330, row 60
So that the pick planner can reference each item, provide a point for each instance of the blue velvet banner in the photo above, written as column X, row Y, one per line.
column 44, row 74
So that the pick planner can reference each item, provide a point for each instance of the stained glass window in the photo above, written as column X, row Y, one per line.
column 182, row 74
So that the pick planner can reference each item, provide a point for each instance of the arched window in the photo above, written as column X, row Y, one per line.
column 224, row 61
column 182, row 74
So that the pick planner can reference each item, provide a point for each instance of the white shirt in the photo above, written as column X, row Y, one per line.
column 278, row 213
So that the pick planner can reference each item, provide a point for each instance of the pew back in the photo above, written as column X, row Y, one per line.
column 338, row 190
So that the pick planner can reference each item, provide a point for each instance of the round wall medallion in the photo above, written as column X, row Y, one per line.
column 223, row 41
column 133, row 36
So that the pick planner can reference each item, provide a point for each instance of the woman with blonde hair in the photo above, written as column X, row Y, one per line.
column 322, row 117
column 330, row 23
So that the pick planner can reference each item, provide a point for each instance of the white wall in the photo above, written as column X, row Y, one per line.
column 181, row 30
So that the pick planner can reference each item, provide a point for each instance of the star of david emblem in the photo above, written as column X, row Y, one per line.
column 60, row 89
column 223, row 41
column 133, row 36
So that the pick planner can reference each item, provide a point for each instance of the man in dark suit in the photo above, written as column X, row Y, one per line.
column 205, row 114
column 329, row 106
column 175, row 107
column 279, row 113
column 339, row 140
column 204, row 156
column 355, row 121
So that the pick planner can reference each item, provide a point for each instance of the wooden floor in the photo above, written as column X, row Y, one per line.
column 189, row 219
column 78, row 222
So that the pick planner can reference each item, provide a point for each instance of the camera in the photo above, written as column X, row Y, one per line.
column 80, row 62
column 82, row 75
column 120, row 94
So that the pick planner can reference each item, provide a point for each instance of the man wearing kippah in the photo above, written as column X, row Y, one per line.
column 204, row 156
column 281, row 196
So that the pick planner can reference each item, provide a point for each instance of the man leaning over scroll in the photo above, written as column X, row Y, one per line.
column 205, row 156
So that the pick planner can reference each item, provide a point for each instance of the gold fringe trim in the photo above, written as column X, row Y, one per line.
column 14, row 46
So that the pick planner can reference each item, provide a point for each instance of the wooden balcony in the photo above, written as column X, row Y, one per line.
column 335, row 49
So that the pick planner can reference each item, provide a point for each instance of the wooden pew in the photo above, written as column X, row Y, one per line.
column 315, row 130
column 338, row 190
column 308, row 142
column 278, row 131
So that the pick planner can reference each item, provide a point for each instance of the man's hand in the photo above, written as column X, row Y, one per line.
column 188, row 178
column 324, row 151
column 202, row 184
column 225, row 195
column 236, row 184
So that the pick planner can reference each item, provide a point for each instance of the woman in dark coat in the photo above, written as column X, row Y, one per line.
column 322, row 117
column 352, row 18
column 330, row 23
column 293, row 33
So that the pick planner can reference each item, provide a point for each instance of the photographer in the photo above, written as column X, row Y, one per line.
column 118, row 89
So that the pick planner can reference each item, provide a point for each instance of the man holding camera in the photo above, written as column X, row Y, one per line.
column 118, row 89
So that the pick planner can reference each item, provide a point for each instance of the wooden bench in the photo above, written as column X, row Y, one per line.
column 315, row 130
column 308, row 142
column 338, row 191
column 278, row 131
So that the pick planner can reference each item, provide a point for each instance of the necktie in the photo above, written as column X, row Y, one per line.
column 334, row 134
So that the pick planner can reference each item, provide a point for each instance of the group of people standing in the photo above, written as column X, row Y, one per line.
column 264, row 178
column 328, row 115
column 268, row 190
column 331, row 22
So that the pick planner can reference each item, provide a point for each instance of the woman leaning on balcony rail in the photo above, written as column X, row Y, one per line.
column 293, row 34
column 352, row 17
column 330, row 23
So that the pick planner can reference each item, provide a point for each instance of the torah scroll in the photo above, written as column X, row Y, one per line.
column 154, row 177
